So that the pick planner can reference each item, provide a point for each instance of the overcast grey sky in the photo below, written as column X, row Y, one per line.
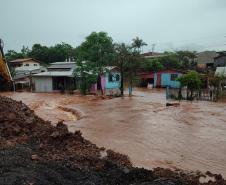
column 171, row 24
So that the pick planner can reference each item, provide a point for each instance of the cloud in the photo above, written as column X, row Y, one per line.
column 26, row 22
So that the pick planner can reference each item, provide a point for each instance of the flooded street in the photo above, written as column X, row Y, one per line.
column 191, row 136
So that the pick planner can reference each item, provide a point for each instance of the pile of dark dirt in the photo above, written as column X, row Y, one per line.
column 33, row 152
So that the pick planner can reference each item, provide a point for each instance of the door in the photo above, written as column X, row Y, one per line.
column 159, row 80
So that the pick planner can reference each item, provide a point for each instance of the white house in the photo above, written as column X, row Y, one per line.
column 26, row 64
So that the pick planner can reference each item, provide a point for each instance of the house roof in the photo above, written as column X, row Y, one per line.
column 153, row 55
column 20, row 60
column 220, row 71
column 20, row 76
column 55, row 74
column 221, row 54
column 27, row 73
column 206, row 57
column 62, row 65
column 110, row 68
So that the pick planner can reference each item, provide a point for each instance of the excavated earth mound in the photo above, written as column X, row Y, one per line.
column 33, row 152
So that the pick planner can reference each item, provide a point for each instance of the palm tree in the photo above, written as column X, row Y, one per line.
column 138, row 44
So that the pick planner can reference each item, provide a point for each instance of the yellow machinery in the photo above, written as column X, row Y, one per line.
column 5, row 76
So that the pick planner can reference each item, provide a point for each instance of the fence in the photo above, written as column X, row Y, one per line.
column 202, row 94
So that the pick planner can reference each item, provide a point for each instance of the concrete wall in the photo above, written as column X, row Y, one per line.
column 42, row 84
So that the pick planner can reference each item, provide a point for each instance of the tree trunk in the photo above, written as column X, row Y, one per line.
column 131, row 84
column 99, row 85
column 191, row 97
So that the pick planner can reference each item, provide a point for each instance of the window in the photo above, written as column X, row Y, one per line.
column 174, row 77
column 117, row 77
column 113, row 77
column 110, row 78
column 26, row 65
column 35, row 64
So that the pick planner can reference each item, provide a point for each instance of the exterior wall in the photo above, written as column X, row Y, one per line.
column 220, row 61
column 113, row 88
column 32, row 66
column 112, row 85
column 166, row 80
column 42, row 84
column 201, row 66
column 93, row 88
column 110, row 88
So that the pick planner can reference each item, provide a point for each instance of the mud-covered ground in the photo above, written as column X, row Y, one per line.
column 191, row 136
column 33, row 152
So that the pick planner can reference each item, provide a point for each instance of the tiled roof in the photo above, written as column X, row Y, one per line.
column 62, row 65
column 23, row 60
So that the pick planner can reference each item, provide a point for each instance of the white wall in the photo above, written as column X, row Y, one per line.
column 28, row 66
column 42, row 84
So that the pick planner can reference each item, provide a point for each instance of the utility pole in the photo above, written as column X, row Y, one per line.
column 153, row 48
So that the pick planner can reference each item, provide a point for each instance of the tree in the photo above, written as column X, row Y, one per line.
column 98, row 51
column 25, row 51
column 192, row 81
column 13, row 55
column 57, row 53
column 87, row 75
column 138, row 43
column 170, row 61
column 187, row 59
column 123, row 53
column 152, row 65
column 134, row 61
column 217, row 81
column 40, row 53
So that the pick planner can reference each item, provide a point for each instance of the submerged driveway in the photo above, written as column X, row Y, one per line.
column 191, row 136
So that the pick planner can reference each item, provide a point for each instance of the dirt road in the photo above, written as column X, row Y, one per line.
column 191, row 136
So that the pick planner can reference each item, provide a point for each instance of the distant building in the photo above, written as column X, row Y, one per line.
column 220, row 71
column 58, row 77
column 110, row 82
column 152, row 55
column 220, row 60
column 205, row 60
column 25, row 64
column 163, row 78
column 23, row 69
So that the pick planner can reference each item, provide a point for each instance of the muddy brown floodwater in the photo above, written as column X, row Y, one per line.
column 190, row 137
